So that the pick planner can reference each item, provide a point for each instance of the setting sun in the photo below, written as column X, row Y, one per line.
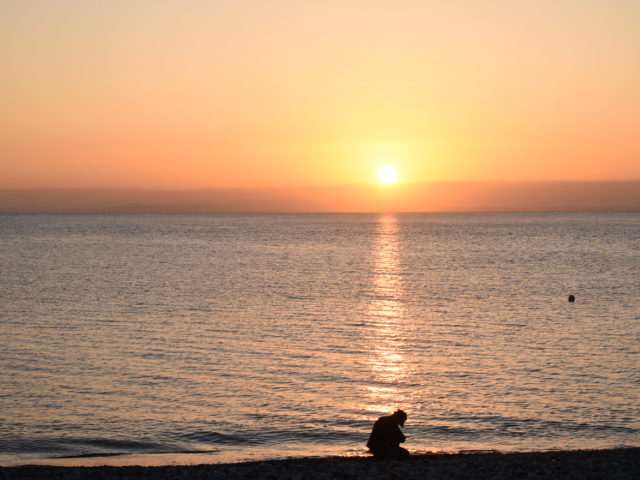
column 387, row 174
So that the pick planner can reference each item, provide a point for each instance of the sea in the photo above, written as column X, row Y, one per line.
column 182, row 338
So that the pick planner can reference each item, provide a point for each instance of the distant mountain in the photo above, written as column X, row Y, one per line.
column 436, row 196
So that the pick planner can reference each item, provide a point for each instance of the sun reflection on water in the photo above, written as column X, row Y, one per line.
column 386, row 316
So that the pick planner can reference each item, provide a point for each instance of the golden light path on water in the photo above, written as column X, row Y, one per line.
column 386, row 315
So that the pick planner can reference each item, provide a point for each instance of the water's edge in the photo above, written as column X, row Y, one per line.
column 258, row 455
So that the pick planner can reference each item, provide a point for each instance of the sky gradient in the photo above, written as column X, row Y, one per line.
column 260, row 94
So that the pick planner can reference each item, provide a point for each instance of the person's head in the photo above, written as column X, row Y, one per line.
column 400, row 417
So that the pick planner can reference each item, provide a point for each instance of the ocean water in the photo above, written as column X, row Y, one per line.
column 271, row 335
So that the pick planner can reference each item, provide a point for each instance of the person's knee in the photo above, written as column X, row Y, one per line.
column 378, row 454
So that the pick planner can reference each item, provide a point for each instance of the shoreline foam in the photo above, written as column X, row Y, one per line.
column 621, row 463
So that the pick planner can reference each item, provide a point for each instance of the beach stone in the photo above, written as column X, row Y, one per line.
column 615, row 464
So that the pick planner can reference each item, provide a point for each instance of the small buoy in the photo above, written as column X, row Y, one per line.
column 572, row 298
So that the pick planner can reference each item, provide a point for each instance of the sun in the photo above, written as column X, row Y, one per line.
column 387, row 174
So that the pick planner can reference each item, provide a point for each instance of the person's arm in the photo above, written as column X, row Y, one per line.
column 399, row 435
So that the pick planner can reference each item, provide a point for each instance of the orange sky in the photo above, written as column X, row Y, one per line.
column 194, row 94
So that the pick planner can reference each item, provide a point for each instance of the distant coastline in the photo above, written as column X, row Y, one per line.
column 422, row 197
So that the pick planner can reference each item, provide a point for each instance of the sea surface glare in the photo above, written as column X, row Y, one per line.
column 271, row 335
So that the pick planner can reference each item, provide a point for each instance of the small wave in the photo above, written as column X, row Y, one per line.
column 204, row 436
column 254, row 437
column 66, row 447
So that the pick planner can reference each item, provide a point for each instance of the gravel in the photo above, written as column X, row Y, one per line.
column 613, row 464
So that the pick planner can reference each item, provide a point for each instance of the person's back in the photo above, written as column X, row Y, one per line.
column 386, row 437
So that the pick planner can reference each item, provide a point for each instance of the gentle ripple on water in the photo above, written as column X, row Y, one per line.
column 292, row 333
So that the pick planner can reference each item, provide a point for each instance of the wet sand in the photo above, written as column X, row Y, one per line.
column 582, row 464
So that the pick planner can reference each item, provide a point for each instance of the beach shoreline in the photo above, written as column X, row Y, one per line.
column 618, row 463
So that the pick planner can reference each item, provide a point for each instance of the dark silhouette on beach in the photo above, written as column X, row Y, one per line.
column 572, row 298
column 386, row 437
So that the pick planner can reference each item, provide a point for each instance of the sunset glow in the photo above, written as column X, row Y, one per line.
column 193, row 95
column 245, row 238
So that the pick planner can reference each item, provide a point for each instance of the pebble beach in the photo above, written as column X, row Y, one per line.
column 623, row 463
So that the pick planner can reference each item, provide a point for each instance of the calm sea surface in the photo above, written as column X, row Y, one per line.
column 252, row 336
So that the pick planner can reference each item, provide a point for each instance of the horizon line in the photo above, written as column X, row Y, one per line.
column 335, row 185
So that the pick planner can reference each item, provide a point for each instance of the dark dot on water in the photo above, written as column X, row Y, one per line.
column 572, row 298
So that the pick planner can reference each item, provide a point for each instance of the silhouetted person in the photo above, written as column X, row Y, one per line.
column 386, row 437
column 572, row 298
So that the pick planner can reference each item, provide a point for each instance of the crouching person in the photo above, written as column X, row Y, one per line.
column 386, row 437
